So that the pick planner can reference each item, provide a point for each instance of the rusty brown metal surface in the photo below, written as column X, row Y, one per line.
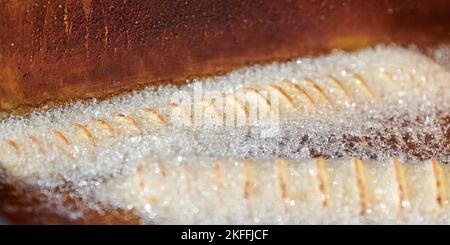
column 59, row 50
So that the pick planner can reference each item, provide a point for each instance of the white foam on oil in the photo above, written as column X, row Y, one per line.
column 396, row 106
column 213, row 191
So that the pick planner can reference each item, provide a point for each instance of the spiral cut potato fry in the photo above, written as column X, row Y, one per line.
column 199, row 191
column 107, row 150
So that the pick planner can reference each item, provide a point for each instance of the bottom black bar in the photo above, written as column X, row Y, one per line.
column 221, row 234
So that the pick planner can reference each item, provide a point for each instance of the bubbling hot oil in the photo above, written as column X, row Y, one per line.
column 376, row 105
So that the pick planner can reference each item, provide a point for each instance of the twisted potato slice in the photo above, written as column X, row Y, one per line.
column 312, row 90
column 199, row 191
column 101, row 143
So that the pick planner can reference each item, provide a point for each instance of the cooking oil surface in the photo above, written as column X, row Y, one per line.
column 157, row 151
